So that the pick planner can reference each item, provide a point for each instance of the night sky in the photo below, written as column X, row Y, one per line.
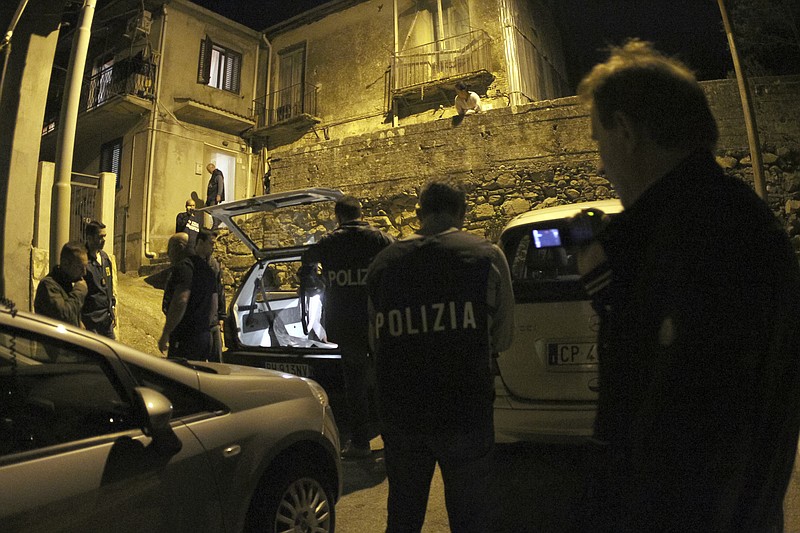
column 688, row 29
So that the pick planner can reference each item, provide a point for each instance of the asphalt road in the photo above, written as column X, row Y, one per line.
column 537, row 485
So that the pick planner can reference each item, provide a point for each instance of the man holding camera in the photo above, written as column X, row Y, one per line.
column 698, row 292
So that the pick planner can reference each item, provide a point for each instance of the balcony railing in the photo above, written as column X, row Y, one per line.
column 285, row 104
column 131, row 76
column 446, row 58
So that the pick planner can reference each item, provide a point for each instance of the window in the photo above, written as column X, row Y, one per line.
column 54, row 393
column 542, row 274
column 290, row 100
column 219, row 67
column 110, row 156
column 185, row 400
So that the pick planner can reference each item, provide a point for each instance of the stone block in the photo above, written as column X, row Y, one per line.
column 484, row 211
column 515, row 207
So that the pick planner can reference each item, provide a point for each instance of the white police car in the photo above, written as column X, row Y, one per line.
column 547, row 386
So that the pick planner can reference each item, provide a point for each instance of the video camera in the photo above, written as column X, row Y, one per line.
column 576, row 231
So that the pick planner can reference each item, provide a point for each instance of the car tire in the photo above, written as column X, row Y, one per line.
column 291, row 497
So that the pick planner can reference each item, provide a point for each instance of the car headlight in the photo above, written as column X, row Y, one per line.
column 318, row 391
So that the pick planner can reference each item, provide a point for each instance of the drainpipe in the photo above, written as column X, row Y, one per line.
column 268, row 85
column 269, row 73
column 68, row 122
column 6, row 42
column 396, row 15
column 511, row 53
column 152, row 137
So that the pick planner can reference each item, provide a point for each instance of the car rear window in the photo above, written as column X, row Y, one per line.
column 548, row 274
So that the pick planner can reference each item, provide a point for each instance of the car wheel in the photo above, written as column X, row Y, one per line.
column 295, row 500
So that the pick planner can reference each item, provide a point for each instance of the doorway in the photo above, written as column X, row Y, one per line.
column 227, row 164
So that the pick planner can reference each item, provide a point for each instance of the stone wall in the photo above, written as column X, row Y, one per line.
column 527, row 157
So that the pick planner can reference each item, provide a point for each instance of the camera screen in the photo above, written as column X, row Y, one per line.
column 546, row 238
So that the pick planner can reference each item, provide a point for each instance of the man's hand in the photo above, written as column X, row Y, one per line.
column 163, row 343
column 590, row 257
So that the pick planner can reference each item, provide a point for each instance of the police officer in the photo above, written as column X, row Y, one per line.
column 440, row 304
column 344, row 255
column 99, row 309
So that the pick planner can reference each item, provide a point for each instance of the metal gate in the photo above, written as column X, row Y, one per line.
column 83, row 205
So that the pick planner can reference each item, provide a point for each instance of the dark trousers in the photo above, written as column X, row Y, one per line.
column 466, row 461
column 215, row 354
column 356, row 369
column 196, row 348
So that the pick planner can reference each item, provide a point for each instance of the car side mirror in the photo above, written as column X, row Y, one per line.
column 157, row 409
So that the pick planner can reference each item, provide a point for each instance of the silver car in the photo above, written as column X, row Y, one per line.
column 95, row 436
column 547, row 383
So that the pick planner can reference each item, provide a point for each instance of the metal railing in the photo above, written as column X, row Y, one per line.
column 445, row 58
column 84, row 193
column 132, row 76
column 285, row 104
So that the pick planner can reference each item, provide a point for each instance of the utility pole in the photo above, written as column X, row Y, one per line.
column 67, row 125
column 747, row 107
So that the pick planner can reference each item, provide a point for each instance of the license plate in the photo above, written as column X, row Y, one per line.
column 573, row 353
column 298, row 369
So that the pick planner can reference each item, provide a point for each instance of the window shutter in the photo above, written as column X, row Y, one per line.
column 204, row 63
column 232, row 71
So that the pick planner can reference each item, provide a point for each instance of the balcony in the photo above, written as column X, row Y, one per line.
column 129, row 77
column 426, row 75
column 112, row 101
column 286, row 115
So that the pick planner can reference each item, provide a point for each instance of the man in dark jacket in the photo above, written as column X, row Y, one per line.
column 99, row 308
column 187, row 303
column 344, row 255
column 189, row 222
column 698, row 292
column 215, row 192
column 440, row 304
column 61, row 293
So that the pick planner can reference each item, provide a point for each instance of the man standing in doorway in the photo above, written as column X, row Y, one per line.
column 215, row 192
column 99, row 308
column 344, row 255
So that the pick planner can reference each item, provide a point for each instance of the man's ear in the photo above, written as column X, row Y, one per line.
column 627, row 129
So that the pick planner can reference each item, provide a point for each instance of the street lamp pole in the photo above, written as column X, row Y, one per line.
column 67, row 125
column 747, row 107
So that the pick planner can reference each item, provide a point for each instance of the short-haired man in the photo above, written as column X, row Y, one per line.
column 344, row 255
column 187, row 303
column 698, row 292
column 61, row 293
column 99, row 308
column 440, row 305
column 467, row 102
column 205, row 250
column 189, row 222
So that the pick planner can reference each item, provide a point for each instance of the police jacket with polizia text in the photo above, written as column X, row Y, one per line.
column 440, row 306
column 345, row 253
